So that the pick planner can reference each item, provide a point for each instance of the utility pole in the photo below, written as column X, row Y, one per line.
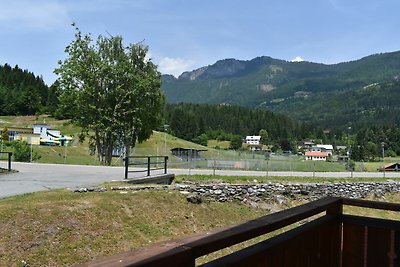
column 65, row 153
column 165, row 138
column 383, row 158
column 348, row 142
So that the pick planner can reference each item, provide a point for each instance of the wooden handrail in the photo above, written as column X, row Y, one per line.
column 371, row 204
column 203, row 244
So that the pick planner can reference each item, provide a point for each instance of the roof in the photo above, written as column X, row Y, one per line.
column 327, row 147
column 21, row 129
column 187, row 149
column 253, row 137
column 390, row 167
column 308, row 143
column 316, row 154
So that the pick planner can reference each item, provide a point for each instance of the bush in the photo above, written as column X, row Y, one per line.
column 22, row 152
column 201, row 139
column 236, row 142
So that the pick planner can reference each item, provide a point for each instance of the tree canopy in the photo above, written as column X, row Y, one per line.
column 21, row 92
column 111, row 90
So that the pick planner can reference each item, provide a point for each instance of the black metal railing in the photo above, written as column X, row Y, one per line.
column 9, row 156
column 145, row 164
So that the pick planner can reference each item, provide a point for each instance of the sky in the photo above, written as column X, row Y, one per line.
column 183, row 35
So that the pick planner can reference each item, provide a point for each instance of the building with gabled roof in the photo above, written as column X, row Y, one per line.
column 318, row 156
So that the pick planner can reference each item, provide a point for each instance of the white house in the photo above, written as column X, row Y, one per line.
column 45, row 131
column 318, row 156
column 253, row 139
column 323, row 148
column 49, row 136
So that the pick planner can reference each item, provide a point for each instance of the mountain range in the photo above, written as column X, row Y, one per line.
column 354, row 94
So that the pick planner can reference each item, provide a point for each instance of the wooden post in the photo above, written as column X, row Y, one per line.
column 337, row 230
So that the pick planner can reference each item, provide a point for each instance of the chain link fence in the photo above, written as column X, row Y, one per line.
column 240, row 160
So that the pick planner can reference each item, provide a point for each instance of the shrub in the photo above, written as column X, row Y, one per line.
column 22, row 152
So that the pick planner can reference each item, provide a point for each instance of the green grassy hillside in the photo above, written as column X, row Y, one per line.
column 78, row 153
column 160, row 144
column 61, row 228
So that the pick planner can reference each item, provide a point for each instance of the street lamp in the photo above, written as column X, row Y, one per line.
column 166, row 126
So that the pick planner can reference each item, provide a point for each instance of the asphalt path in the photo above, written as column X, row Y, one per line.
column 32, row 177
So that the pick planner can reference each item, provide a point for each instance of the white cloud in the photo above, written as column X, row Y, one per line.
column 39, row 15
column 174, row 66
column 297, row 59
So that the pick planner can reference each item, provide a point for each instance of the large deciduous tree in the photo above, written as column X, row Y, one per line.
column 112, row 91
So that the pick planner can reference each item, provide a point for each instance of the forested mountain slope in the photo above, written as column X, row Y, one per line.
column 23, row 93
column 353, row 93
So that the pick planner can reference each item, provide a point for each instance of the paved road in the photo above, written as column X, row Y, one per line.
column 34, row 177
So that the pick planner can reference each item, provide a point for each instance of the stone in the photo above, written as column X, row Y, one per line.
column 194, row 199
column 218, row 192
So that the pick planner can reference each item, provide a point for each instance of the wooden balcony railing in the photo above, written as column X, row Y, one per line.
column 332, row 239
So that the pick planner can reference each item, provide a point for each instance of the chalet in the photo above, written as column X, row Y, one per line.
column 306, row 145
column 253, row 139
column 253, row 142
column 317, row 156
column 323, row 148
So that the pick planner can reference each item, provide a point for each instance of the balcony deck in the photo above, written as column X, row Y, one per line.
column 332, row 239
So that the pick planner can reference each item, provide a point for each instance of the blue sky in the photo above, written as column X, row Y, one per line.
column 187, row 34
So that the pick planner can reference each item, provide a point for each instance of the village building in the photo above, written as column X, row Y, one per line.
column 316, row 156
column 253, row 142
column 323, row 148
column 392, row 167
column 253, row 139
column 306, row 145
column 39, row 134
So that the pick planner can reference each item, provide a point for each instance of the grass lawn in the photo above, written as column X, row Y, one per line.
column 220, row 144
column 58, row 228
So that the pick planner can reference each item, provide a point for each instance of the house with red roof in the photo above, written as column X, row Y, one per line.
column 312, row 155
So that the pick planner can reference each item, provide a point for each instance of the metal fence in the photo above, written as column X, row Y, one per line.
column 143, row 164
column 6, row 156
column 243, row 160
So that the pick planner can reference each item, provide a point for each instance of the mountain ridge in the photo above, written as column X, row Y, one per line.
column 294, row 88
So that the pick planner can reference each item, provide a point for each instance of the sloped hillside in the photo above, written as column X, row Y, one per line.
column 327, row 95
